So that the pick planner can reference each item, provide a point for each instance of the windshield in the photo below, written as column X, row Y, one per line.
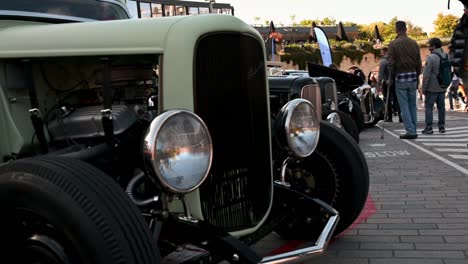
column 89, row 9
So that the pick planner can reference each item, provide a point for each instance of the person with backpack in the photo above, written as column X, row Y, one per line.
column 436, row 78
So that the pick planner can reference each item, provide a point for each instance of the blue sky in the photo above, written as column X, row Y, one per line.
column 420, row 12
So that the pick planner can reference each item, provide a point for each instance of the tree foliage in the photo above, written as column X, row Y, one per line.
column 444, row 25
column 327, row 21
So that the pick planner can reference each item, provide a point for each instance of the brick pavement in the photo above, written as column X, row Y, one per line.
column 420, row 202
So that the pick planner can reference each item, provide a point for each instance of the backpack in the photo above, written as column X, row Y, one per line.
column 445, row 71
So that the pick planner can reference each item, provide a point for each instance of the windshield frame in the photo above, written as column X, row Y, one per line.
column 54, row 18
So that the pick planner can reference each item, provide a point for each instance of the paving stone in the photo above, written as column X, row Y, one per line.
column 406, row 261
column 440, row 254
column 423, row 239
column 365, row 253
column 387, row 246
column 441, row 246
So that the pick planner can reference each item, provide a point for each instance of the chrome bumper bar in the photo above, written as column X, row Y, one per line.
column 319, row 246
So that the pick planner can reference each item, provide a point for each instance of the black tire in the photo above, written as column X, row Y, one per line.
column 79, row 213
column 318, row 179
column 339, row 169
column 349, row 125
column 346, row 122
column 352, row 173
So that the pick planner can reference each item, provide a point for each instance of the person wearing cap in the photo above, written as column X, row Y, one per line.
column 431, row 88
column 405, row 65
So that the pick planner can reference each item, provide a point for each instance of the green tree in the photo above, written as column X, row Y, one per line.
column 415, row 31
column 444, row 25
column 306, row 22
column 349, row 24
column 257, row 20
column 328, row 21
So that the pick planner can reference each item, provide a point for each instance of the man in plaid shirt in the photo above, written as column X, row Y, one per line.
column 405, row 66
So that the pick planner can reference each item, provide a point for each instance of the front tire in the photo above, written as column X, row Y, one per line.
column 58, row 210
column 349, row 125
column 352, row 173
column 336, row 173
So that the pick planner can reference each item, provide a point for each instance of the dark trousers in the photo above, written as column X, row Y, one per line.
column 392, row 106
column 439, row 99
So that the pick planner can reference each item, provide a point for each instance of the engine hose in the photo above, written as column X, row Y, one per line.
column 132, row 185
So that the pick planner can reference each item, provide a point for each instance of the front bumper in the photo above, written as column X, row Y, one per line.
column 218, row 244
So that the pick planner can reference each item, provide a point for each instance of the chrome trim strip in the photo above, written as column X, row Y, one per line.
column 320, row 245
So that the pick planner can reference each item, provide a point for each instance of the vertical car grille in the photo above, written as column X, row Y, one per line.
column 231, row 97
column 311, row 93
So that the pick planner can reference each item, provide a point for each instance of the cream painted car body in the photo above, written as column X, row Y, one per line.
column 174, row 38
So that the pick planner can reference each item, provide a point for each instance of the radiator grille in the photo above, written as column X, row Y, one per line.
column 231, row 97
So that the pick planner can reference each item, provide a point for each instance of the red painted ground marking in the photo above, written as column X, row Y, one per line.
column 289, row 246
column 369, row 209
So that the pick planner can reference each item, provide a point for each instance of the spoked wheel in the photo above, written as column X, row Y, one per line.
column 337, row 174
column 316, row 177
column 57, row 210
column 32, row 239
column 352, row 173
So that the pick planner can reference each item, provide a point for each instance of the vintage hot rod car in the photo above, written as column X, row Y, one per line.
column 328, row 98
column 153, row 141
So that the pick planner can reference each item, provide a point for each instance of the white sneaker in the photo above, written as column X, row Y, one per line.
column 451, row 110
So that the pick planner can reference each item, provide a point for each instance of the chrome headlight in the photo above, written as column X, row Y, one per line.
column 299, row 127
column 334, row 118
column 178, row 150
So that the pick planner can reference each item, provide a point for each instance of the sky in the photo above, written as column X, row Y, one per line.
column 420, row 12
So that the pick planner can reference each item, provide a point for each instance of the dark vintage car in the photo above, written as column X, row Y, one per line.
column 152, row 141
column 352, row 88
column 337, row 112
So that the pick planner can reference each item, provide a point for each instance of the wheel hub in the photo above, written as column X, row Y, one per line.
column 44, row 249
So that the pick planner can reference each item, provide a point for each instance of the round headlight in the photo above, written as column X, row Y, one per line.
column 178, row 150
column 300, row 127
column 334, row 118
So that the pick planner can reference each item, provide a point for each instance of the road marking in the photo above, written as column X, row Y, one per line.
column 452, row 150
column 440, row 135
column 444, row 160
column 388, row 153
column 463, row 157
column 377, row 145
column 447, row 129
column 456, row 131
column 446, row 144
column 443, row 140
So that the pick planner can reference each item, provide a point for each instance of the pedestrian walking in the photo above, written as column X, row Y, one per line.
column 404, row 67
column 433, row 90
column 453, row 92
